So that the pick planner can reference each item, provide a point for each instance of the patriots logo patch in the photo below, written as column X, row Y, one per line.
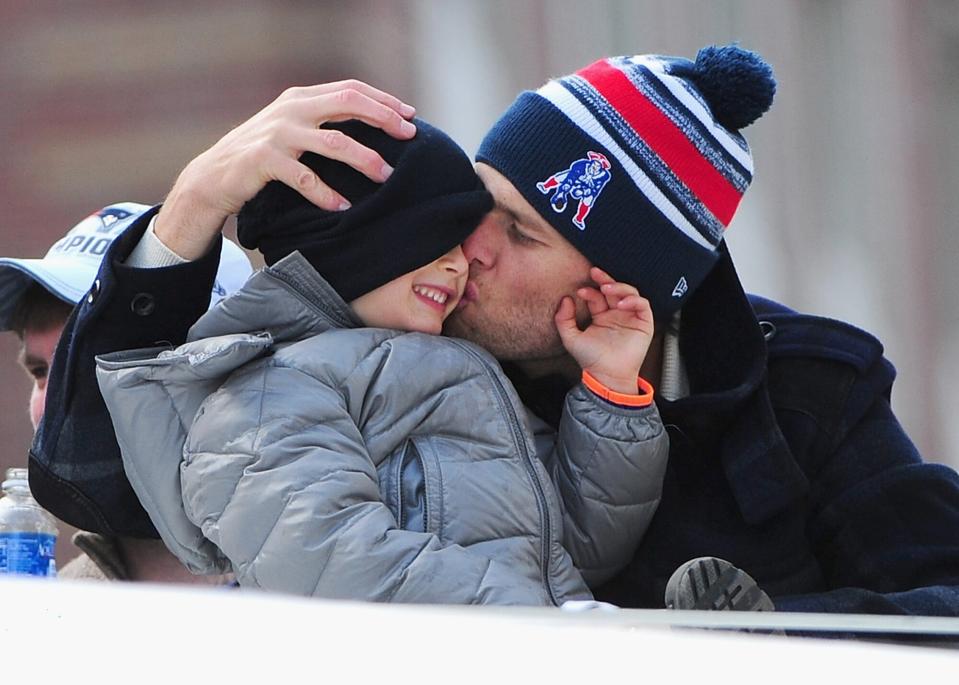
column 583, row 181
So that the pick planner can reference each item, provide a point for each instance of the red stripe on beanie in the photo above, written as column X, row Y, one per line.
column 665, row 139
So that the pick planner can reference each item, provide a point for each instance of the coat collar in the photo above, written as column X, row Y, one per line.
column 289, row 299
column 724, row 349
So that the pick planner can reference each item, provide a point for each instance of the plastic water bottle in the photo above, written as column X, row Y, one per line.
column 28, row 533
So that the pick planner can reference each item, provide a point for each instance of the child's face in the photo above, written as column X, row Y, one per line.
column 418, row 301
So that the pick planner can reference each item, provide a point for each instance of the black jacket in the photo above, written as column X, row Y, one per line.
column 786, row 459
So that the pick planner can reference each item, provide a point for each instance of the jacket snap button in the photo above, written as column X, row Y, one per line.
column 143, row 304
column 768, row 329
column 94, row 291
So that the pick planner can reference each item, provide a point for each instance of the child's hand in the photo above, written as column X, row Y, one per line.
column 612, row 348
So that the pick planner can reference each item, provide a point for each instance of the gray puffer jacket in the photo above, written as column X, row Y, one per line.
column 319, row 458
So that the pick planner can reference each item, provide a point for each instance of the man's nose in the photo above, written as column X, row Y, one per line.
column 479, row 246
column 38, row 398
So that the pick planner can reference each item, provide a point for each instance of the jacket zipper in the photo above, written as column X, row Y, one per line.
column 507, row 406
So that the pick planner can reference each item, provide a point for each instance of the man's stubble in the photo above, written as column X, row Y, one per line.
column 521, row 331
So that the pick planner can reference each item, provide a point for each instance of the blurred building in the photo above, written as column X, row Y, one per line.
column 851, row 215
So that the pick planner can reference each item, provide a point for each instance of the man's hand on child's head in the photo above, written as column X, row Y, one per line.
column 267, row 147
column 613, row 346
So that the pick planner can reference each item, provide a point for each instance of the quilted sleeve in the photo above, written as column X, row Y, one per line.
column 607, row 465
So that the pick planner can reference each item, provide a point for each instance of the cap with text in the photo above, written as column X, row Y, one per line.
column 71, row 264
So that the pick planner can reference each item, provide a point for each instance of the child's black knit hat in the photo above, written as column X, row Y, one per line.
column 431, row 203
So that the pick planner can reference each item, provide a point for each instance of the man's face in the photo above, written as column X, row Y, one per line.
column 520, row 268
column 36, row 355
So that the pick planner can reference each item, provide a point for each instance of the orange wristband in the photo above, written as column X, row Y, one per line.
column 643, row 398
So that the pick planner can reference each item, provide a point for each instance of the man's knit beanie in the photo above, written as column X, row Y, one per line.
column 431, row 203
column 638, row 161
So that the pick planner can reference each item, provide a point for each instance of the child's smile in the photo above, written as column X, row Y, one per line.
column 435, row 296
column 419, row 300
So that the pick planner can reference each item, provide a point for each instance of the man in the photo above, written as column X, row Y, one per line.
column 785, row 456
column 36, row 298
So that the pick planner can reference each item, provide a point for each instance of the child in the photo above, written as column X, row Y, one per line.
column 346, row 450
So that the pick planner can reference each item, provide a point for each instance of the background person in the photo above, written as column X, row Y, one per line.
column 36, row 299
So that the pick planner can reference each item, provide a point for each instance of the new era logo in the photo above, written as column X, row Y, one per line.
column 681, row 287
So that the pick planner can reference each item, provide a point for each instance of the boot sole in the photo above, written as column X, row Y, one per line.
column 712, row 584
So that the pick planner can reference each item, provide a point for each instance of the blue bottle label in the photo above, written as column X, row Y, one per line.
column 28, row 554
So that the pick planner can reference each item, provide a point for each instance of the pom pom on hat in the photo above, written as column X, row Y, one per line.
column 738, row 84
